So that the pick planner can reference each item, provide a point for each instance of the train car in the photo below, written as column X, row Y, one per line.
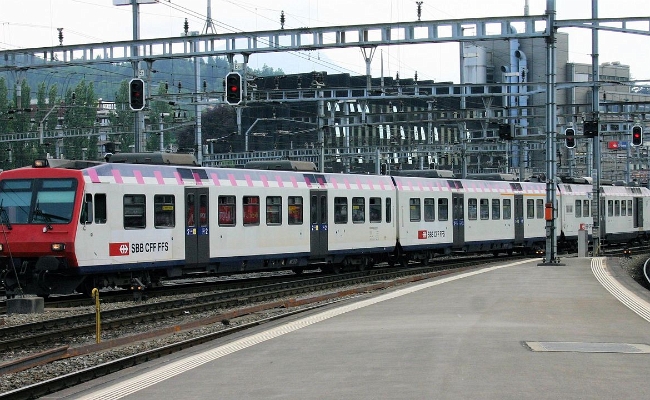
column 111, row 224
column 574, row 202
column 624, row 212
column 446, row 215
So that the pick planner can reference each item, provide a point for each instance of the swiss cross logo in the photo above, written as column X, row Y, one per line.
column 118, row 249
column 422, row 234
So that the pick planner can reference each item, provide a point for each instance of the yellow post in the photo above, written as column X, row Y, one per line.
column 98, row 319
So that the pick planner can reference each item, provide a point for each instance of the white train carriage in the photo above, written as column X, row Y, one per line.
column 173, row 220
column 444, row 215
column 361, row 227
column 574, row 212
column 623, row 210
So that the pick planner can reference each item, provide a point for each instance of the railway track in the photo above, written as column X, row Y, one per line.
column 238, row 302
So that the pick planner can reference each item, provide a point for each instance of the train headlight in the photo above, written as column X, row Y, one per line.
column 57, row 246
column 40, row 163
column 2, row 247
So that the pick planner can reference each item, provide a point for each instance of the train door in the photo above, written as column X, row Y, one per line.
column 519, row 218
column 318, row 223
column 458, row 210
column 197, row 234
column 638, row 212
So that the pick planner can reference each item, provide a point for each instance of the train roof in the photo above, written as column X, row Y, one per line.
column 282, row 165
column 425, row 173
column 156, row 158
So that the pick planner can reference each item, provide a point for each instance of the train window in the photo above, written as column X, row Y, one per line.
column 323, row 209
column 507, row 209
column 226, row 206
column 496, row 209
column 585, row 208
column 414, row 210
column 578, row 208
column 273, row 210
column 472, row 209
column 485, row 209
column 164, row 211
column 251, row 210
column 313, row 211
column 374, row 207
column 623, row 208
column 429, row 210
column 135, row 216
column 629, row 207
column 100, row 208
column 530, row 208
column 443, row 209
column 340, row 210
column 295, row 210
column 87, row 210
column 358, row 210
column 610, row 208
column 617, row 208
column 540, row 208
column 389, row 215
column 203, row 210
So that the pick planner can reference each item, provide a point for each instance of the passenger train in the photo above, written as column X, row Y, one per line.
column 74, row 227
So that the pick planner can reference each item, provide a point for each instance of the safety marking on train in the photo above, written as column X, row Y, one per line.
column 628, row 298
column 130, row 386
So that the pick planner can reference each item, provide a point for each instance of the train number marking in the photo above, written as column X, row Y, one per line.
column 424, row 234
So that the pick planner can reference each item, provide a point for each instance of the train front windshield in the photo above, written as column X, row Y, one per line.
column 37, row 201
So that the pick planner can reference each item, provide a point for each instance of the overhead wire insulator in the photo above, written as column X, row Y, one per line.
column 282, row 19
column 186, row 27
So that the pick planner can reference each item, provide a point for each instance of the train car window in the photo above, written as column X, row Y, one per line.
column 295, row 210
column 100, row 208
column 540, row 208
column 323, row 209
column 164, row 211
column 273, row 210
column 374, row 207
column 496, row 209
column 415, row 210
column 443, row 209
column 610, row 208
column 623, row 208
column 629, row 207
column 313, row 210
column 617, row 208
column 251, row 210
column 429, row 210
column 87, row 210
column 135, row 216
column 358, row 210
column 586, row 208
column 578, row 208
column 340, row 210
column 472, row 209
column 227, row 216
column 389, row 214
column 485, row 209
column 507, row 209
column 203, row 210
column 530, row 208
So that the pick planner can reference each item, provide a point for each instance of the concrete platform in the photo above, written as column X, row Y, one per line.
column 514, row 331
column 27, row 305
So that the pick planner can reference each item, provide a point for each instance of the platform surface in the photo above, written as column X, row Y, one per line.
column 511, row 331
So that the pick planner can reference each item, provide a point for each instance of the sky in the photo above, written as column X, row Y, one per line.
column 34, row 23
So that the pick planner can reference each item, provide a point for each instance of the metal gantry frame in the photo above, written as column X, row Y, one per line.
column 366, row 36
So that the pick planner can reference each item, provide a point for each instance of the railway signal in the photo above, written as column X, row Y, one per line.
column 233, row 88
column 505, row 131
column 136, row 94
column 590, row 129
column 637, row 135
column 570, row 139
